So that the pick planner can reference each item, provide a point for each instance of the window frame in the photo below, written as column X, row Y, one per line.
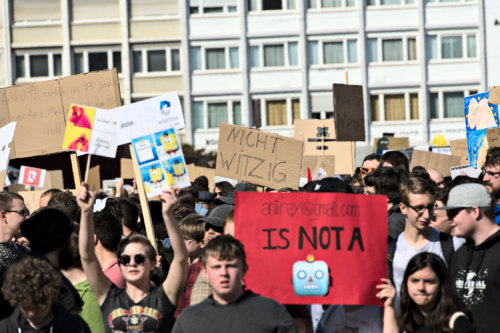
column 264, row 99
column 318, row 5
column 404, row 49
column 85, row 57
column 261, row 44
column 441, row 91
column 227, row 58
column 144, row 61
column 464, row 35
column 230, row 102
column 225, row 10
column 407, row 102
column 403, row 3
column 284, row 7
column 345, row 52
column 27, row 61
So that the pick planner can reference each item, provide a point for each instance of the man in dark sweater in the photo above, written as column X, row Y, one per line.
column 475, row 268
column 230, row 308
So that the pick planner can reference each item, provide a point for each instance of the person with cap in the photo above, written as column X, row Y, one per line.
column 205, row 203
column 48, row 231
column 214, row 226
column 475, row 268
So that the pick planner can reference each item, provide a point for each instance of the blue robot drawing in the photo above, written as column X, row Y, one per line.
column 310, row 278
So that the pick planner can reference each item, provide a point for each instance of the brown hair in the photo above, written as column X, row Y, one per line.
column 416, row 185
column 492, row 157
column 6, row 199
column 141, row 239
column 31, row 282
column 192, row 228
column 225, row 247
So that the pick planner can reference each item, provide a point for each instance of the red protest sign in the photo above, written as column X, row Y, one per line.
column 313, row 248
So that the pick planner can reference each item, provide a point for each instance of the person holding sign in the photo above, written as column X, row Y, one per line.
column 428, row 300
column 138, row 307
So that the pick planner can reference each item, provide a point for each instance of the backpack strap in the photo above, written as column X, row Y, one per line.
column 446, row 247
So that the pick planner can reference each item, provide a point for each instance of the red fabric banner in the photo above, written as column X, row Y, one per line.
column 313, row 248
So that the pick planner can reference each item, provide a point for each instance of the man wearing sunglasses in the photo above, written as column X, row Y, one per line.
column 13, row 212
column 475, row 267
column 417, row 205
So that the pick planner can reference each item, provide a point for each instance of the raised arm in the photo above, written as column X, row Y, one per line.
column 387, row 294
column 99, row 283
column 177, row 274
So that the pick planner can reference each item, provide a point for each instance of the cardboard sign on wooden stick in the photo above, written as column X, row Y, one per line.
column 494, row 95
column 439, row 162
column 349, row 112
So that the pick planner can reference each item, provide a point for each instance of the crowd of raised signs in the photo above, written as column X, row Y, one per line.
column 83, row 263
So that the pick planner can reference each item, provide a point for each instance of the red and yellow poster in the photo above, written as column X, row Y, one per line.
column 313, row 248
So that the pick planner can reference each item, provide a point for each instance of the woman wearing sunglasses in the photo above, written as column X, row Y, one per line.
column 139, row 307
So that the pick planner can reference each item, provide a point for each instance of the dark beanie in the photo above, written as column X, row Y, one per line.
column 47, row 230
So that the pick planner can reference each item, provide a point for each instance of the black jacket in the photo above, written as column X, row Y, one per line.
column 475, row 271
column 63, row 322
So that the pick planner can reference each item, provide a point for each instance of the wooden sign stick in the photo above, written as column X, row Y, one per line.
column 76, row 170
column 146, row 214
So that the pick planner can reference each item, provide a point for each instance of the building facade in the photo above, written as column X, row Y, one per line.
column 267, row 62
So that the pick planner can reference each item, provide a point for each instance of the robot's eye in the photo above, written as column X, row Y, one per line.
column 319, row 274
column 301, row 274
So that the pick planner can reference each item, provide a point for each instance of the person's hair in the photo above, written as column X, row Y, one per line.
column 441, row 194
column 397, row 159
column 356, row 178
column 186, row 197
column 50, row 192
column 6, row 199
column 370, row 157
column 416, row 185
column 447, row 302
column 489, row 211
column 224, row 186
column 66, row 202
column 310, row 186
column 287, row 189
column 130, row 213
column 113, row 207
column 101, row 195
column 192, row 228
column 108, row 230
column 224, row 247
column 229, row 217
column 459, row 180
column 140, row 239
column 201, row 183
column 32, row 283
column 387, row 180
column 182, row 211
column 492, row 157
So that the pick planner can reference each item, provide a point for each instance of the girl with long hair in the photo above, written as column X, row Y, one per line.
column 428, row 302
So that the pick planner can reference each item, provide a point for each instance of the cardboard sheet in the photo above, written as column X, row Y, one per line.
column 349, row 112
column 439, row 162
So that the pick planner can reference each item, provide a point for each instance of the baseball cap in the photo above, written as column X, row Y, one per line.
column 217, row 216
column 467, row 195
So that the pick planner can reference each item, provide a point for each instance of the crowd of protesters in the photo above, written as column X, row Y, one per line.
column 83, row 263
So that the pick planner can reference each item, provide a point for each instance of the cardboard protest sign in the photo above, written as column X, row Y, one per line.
column 324, row 168
column 126, row 168
column 465, row 170
column 161, row 162
column 459, row 148
column 258, row 157
column 382, row 144
column 197, row 171
column 54, row 179
column 32, row 176
column 493, row 137
column 313, row 162
column 479, row 116
column 152, row 115
column 6, row 137
column 349, row 112
column 494, row 95
column 313, row 248
column 91, row 130
column 40, row 108
column 319, row 138
column 430, row 160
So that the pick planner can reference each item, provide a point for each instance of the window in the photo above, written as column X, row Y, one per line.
column 38, row 65
column 394, row 107
column 209, row 10
column 458, row 46
column 389, row 2
column 217, row 58
column 256, row 5
column 332, row 52
column 448, row 104
column 392, row 49
column 277, row 112
column 156, row 60
column 330, row 3
column 446, row 1
column 209, row 114
column 88, row 61
column 274, row 55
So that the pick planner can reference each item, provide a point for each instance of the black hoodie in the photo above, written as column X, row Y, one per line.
column 63, row 322
column 475, row 271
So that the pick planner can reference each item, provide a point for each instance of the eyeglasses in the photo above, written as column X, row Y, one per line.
column 139, row 259
column 451, row 213
column 421, row 208
column 218, row 194
column 490, row 173
column 23, row 212
column 365, row 171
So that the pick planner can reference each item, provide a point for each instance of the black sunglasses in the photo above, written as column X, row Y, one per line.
column 139, row 259
column 451, row 213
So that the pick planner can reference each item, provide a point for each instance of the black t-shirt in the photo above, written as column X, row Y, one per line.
column 154, row 313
